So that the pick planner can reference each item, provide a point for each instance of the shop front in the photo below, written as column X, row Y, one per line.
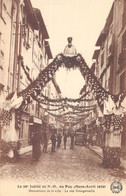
column 24, row 129
column 35, row 124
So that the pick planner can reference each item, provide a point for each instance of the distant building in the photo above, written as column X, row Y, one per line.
column 110, row 57
column 23, row 36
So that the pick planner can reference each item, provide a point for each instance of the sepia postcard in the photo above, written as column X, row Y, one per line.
column 62, row 97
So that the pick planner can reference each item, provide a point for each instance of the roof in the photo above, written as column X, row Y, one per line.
column 31, row 15
column 101, row 38
column 105, row 30
column 96, row 53
column 41, row 23
column 93, row 67
column 109, row 18
column 48, row 50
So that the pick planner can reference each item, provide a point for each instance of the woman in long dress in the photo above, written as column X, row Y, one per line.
column 36, row 145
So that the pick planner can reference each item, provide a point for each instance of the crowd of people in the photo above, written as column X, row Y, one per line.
column 38, row 139
column 93, row 135
column 58, row 138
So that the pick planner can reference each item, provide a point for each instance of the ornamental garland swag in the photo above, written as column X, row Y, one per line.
column 67, row 99
column 5, row 117
column 111, row 157
column 46, row 75
column 69, row 62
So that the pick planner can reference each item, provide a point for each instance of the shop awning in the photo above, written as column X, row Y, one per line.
column 34, row 120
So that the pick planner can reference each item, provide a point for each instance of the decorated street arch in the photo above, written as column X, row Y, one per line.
column 112, row 106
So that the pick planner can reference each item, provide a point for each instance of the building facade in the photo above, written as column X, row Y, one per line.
column 109, row 56
column 24, row 52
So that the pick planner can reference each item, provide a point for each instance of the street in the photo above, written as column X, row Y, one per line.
column 64, row 166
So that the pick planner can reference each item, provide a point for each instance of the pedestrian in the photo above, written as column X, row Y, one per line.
column 65, row 140
column 87, row 139
column 72, row 141
column 59, row 137
column 70, row 50
column 36, row 141
column 53, row 140
column 45, row 142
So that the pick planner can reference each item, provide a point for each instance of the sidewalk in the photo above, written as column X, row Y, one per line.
column 25, row 149
column 97, row 150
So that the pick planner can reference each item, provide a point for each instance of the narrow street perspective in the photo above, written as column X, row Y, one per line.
column 80, row 165
column 63, row 97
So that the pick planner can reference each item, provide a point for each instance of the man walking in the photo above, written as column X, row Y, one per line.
column 45, row 142
column 36, row 145
column 72, row 141
column 53, row 140
column 59, row 137
column 65, row 140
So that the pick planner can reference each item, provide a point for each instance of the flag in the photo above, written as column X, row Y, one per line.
column 17, row 103
column 119, row 111
column 7, row 103
column 2, row 98
column 109, row 106
column 123, row 104
column 14, row 102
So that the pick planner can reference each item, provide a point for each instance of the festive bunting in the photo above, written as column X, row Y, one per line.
column 5, row 117
column 101, row 95
column 69, row 62
column 109, row 105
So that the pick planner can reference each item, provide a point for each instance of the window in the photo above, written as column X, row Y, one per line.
column 33, row 106
column 37, row 109
column 124, row 46
column 21, row 130
column 29, row 37
column 10, row 83
column 24, row 27
column 123, row 82
column 124, row 14
column 3, row 10
column 122, row 55
column 1, row 2
column 124, row 40
column 102, row 59
column 27, row 33
column 1, row 52
column 40, row 37
column 35, row 53
column 41, row 64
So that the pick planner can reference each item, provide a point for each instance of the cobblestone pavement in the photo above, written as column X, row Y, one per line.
column 64, row 166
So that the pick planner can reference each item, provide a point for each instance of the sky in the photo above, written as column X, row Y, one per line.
column 81, row 19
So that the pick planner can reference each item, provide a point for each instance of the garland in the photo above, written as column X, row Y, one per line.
column 79, row 117
column 34, row 89
column 69, row 62
column 81, row 107
column 6, row 147
column 48, row 109
column 67, row 99
column 44, row 103
column 5, row 117
column 22, row 65
column 113, row 120
column 104, row 71
column 111, row 157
